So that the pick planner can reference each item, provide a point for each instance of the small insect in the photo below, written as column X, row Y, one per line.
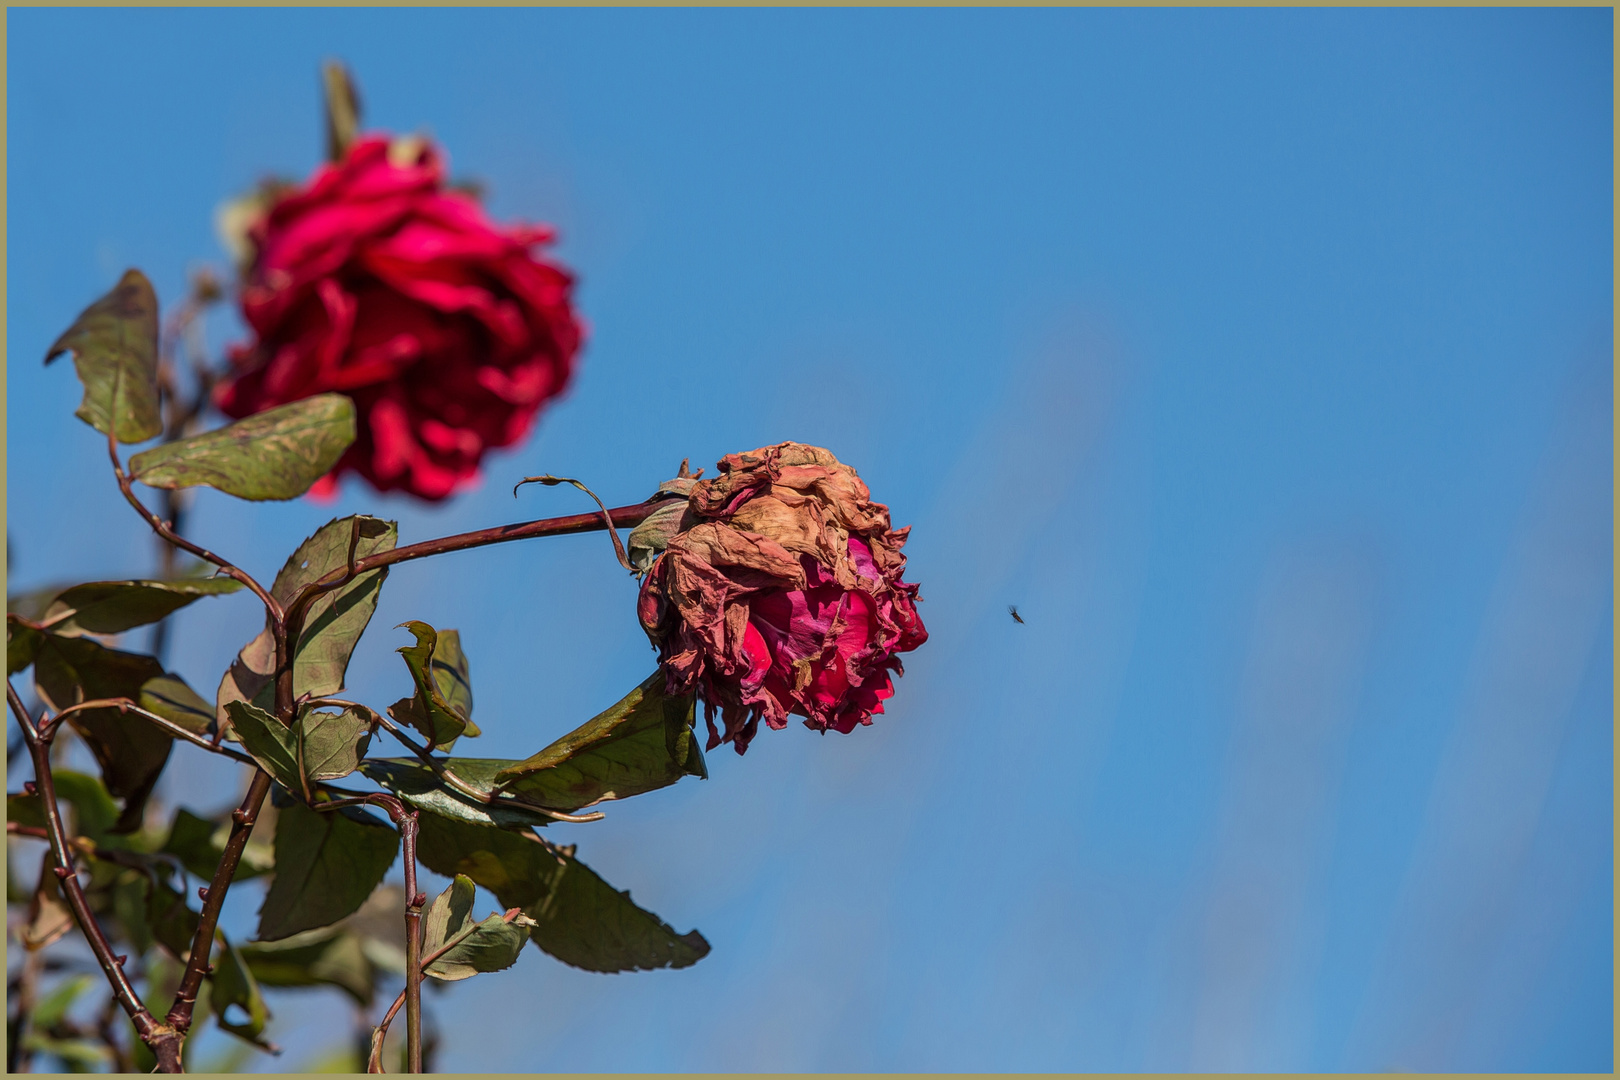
column 1012, row 609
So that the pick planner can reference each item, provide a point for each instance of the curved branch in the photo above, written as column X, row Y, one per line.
column 620, row 517
column 124, row 705
column 39, row 748
column 159, row 526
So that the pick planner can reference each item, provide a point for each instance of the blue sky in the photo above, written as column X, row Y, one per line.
column 1262, row 358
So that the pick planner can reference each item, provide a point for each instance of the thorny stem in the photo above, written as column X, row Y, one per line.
column 414, row 902
column 39, row 740
column 242, row 821
column 286, row 624
column 381, row 1033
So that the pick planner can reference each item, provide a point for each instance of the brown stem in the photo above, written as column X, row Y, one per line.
column 414, row 902
column 242, row 822
column 166, row 531
column 424, row 963
column 39, row 740
column 124, row 705
column 621, row 517
column 413, row 951
column 180, row 419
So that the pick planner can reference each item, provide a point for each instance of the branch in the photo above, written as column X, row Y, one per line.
column 375, row 1064
column 620, row 517
column 414, row 902
column 163, row 529
column 124, row 705
column 242, row 822
column 39, row 748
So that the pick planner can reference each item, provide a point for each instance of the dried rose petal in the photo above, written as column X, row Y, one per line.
column 785, row 596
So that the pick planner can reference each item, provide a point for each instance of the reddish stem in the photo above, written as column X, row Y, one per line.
column 39, row 749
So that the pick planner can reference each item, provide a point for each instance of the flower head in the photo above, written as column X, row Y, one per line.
column 377, row 281
column 781, row 593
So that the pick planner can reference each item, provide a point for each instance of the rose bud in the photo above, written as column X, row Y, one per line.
column 378, row 281
column 780, row 593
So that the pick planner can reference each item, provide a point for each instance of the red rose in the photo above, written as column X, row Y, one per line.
column 780, row 593
column 377, row 282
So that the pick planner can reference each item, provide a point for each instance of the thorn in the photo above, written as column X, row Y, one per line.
column 119, row 960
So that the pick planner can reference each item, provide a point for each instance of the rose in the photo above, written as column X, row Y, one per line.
column 778, row 591
column 378, row 282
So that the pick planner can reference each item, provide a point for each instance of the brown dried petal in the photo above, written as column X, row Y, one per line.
column 722, row 546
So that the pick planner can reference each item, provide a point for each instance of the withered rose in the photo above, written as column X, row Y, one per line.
column 377, row 281
column 780, row 592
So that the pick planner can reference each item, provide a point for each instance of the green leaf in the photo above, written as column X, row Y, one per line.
column 131, row 751
column 111, row 607
column 419, row 786
column 642, row 743
column 337, row 618
column 270, row 743
column 323, row 957
column 441, row 709
column 321, row 744
column 129, row 907
column 350, row 954
column 580, row 919
column 333, row 742
column 149, row 909
column 515, row 865
column 491, row 945
column 172, row 699
column 275, row 454
column 326, row 865
column 22, row 644
column 93, row 809
column 53, row 1007
column 234, row 984
column 78, row 1055
column 451, row 676
column 589, row 924
column 172, row 921
column 114, row 343
column 198, row 843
